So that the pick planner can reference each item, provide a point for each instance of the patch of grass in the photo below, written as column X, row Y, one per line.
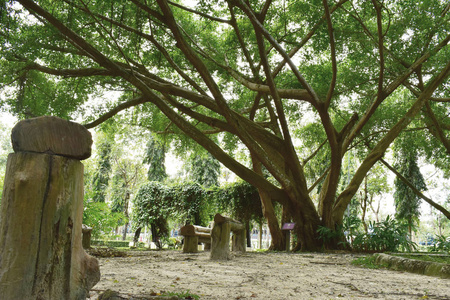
column 367, row 262
column 260, row 250
column 133, row 248
column 432, row 258
column 183, row 295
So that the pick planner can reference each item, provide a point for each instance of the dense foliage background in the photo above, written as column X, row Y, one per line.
column 310, row 102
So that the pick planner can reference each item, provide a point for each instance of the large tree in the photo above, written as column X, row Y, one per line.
column 253, row 72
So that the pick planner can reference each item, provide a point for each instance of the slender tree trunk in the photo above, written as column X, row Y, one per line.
column 364, row 206
column 137, row 233
column 125, row 212
column 260, row 235
column 285, row 218
column 248, row 233
column 278, row 241
column 124, row 233
column 155, row 237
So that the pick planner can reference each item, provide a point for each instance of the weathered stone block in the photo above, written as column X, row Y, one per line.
column 52, row 135
column 41, row 254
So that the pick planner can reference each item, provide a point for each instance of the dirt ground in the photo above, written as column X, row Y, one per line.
column 254, row 275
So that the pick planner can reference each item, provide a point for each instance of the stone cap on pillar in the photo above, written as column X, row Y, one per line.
column 52, row 135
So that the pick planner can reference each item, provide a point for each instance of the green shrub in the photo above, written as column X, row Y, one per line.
column 328, row 235
column 388, row 235
column 344, row 233
column 98, row 215
column 442, row 244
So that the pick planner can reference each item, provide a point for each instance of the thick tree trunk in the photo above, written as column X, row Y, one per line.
column 306, row 222
column 41, row 254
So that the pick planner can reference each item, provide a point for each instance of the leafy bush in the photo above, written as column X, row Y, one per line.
column 98, row 215
column 442, row 244
column 328, row 235
column 155, row 204
column 344, row 233
column 388, row 235
column 152, row 207
column 240, row 199
column 351, row 227
column 190, row 205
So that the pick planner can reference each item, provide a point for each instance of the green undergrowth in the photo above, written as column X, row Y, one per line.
column 368, row 262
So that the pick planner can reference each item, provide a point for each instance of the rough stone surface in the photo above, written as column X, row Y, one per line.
column 414, row 266
column 41, row 255
column 220, row 237
column 52, row 135
column 87, row 233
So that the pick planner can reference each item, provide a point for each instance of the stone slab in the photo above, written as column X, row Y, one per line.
column 52, row 135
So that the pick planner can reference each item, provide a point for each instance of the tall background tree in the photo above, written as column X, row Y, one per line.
column 254, row 73
column 103, row 172
column 128, row 175
column 155, row 156
column 202, row 168
column 407, row 203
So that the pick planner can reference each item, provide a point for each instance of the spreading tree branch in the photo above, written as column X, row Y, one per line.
column 380, row 50
column 131, row 103
column 437, row 128
column 415, row 190
column 278, row 47
column 87, row 72
column 333, row 52
column 379, row 150
column 212, row 18
column 390, row 89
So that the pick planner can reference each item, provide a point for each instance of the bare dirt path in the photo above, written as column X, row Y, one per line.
column 262, row 276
